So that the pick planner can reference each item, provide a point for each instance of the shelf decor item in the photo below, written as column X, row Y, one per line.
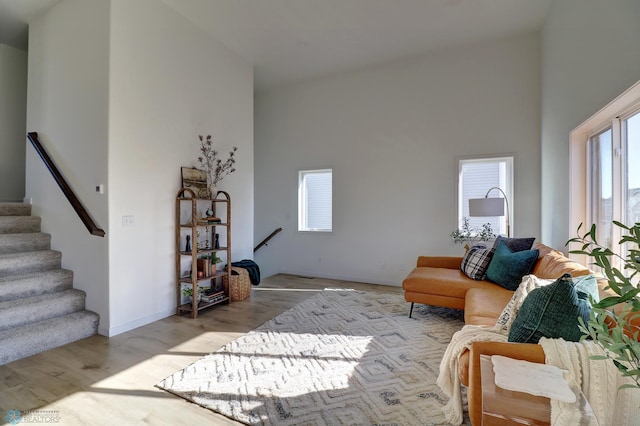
column 196, row 180
column 188, row 293
column 214, row 167
column 239, row 286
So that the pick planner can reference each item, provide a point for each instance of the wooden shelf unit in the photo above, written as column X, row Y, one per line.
column 219, row 204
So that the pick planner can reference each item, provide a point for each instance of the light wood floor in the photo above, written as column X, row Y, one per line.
column 110, row 381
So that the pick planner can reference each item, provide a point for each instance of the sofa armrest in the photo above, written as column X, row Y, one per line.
column 449, row 262
column 524, row 351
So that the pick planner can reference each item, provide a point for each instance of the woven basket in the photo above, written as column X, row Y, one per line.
column 240, row 287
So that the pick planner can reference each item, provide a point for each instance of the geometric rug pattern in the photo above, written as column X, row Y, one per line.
column 341, row 357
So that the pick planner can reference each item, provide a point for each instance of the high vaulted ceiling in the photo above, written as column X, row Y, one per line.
column 294, row 40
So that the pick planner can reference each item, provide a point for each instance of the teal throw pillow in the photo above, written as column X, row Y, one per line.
column 508, row 267
column 589, row 285
column 551, row 311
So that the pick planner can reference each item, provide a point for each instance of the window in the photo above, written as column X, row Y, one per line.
column 476, row 176
column 601, row 184
column 315, row 190
column 605, row 169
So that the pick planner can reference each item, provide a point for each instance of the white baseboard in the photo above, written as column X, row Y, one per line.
column 114, row 331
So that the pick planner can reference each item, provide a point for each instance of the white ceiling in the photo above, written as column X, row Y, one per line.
column 293, row 40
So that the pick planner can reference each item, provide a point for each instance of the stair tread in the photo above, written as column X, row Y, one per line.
column 29, row 261
column 11, row 304
column 15, row 287
column 15, row 209
column 28, row 253
column 19, row 224
column 23, row 341
column 18, row 312
column 30, row 275
column 22, row 234
column 25, row 241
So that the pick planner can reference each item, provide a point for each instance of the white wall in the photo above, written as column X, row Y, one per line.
column 391, row 134
column 13, row 122
column 67, row 104
column 169, row 83
column 119, row 91
column 591, row 54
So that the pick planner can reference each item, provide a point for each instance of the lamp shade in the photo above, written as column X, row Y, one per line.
column 486, row 207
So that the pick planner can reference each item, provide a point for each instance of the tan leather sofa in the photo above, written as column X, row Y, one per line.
column 439, row 281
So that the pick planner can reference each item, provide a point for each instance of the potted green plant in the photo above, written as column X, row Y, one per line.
column 467, row 234
column 214, row 259
column 616, row 331
column 187, row 291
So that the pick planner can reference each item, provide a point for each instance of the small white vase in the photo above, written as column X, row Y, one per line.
column 213, row 191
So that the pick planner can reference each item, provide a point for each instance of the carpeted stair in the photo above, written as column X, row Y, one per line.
column 39, row 308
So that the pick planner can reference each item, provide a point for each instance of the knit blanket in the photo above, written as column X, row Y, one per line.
column 448, row 379
column 599, row 381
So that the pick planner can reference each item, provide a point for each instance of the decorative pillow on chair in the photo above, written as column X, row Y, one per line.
column 551, row 311
column 475, row 262
column 508, row 267
column 510, row 311
column 515, row 244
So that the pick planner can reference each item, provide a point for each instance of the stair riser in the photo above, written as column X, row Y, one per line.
column 19, row 224
column 39, row 337
column 23, row 263
column 38, row 283
column 16, row 243
column 26, row 311
column 15, row 209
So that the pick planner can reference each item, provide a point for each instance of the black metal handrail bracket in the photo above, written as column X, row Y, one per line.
column 266, row 240
column 64, row 186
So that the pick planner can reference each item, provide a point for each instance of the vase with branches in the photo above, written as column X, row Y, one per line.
column 614, row 320
column 215, row 168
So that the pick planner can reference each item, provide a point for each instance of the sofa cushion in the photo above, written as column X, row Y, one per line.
column 551, row 311
column 475, row 261
column 553, row 264
column 515, row 244
column 483, row 305
column 508, row 267
column 441, row 281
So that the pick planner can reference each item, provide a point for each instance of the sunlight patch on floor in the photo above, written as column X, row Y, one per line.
column 288, row 289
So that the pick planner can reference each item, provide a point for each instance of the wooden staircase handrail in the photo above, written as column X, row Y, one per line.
column 64, row 186
column 266, row 240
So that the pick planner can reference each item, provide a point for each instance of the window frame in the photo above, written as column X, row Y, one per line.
column 580, row 190
column 508, row 189
column 302, row 206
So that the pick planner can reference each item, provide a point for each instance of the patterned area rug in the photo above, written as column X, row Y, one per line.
column 342, row 357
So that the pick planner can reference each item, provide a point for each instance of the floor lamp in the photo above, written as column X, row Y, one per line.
column 490, row 207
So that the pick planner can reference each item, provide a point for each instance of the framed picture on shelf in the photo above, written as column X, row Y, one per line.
column 196, row 180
